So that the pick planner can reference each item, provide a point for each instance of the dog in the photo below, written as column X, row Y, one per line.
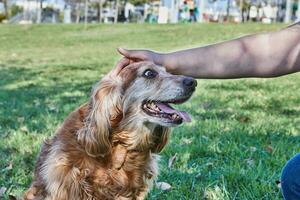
column 108, row 148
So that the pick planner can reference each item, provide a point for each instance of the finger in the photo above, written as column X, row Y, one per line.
column 134, row 55
column 123, row 52
column 120, row 65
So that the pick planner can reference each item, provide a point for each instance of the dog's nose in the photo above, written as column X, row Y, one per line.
column 189, row 82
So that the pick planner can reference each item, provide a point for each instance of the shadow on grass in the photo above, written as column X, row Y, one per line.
column 32, row 106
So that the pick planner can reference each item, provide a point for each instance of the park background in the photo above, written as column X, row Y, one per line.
column 243, row 131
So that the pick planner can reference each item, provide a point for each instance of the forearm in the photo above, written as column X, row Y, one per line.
column 262, row 55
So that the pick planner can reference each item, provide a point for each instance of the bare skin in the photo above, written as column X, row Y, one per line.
column 260, row 55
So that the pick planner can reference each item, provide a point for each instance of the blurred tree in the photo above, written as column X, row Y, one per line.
column 98, row 5
column 39, row 11
column 244, row 9
column 99, row 11
column 228, row 10
column 116, row 11
column 5, row 8
column 78, row 10
column 14, row 10
column 287, row 18
column 86, row 9
column 138, row 2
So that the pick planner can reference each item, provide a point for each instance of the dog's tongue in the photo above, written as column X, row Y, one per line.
column 168, row 109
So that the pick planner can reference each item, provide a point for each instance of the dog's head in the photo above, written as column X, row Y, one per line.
column 149, row 90
column 138, row 96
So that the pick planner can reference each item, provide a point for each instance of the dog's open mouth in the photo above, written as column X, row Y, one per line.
column 164, row 111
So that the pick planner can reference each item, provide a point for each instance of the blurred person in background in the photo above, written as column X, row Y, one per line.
column 263, row 55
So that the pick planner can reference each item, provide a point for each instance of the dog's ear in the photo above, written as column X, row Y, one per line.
column 103, row 116
column 161, row 137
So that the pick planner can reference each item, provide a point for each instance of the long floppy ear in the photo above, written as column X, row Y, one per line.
column 103, row 115
column 161, row 137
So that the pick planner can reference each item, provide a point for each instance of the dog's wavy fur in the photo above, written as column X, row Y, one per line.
column 104, row 149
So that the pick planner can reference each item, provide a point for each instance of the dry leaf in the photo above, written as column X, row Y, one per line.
column 21, row 119
column 269, row 149
column 163, row 186
column 9, row 167
column 253, row 149
column 24, row 129
column 187, row 140
column 198, row 176
column 278, row 183
column 2, row 191
column 250, row 161
column 204, row 137
column 209, row 165
column 206, row 105
column 171, row 160
column 37, row 102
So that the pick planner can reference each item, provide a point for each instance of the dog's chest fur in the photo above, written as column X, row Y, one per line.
column 64, row 171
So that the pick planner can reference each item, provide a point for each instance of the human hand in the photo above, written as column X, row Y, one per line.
column 141, row 55
column 121, row 64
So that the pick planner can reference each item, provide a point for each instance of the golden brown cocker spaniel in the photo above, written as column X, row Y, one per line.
column 107, row 148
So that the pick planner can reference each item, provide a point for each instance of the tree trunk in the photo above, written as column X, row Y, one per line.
column 287, row 18
column 298, row 11
column 5, row 8
column 39, row 12
column 201, row 8
column 117, row 11
column 241, row 10
column 85, row 13
column 77, row 12
column 100, row 11
column 227, row 10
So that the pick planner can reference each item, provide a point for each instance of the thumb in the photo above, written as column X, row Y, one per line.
column 134, row 55
column 124, row 52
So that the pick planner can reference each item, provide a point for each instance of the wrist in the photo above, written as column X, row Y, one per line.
column 165, row 60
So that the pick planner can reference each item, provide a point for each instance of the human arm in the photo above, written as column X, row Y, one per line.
column 260, row 55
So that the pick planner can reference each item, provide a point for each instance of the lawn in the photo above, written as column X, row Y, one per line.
column 243, row 131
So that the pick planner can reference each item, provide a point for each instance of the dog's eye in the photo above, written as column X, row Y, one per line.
column 149, row 73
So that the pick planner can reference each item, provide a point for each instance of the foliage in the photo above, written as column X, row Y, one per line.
column 139, row 2
column 243, row 131
column 2, row 17
column 15, row 9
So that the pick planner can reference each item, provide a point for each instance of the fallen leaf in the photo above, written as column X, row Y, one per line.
column 244, row 119
column 250, row 161
column 269, row 149
column 9, row 167
column 206, row 105
column 37, row 102
column 253, row 149
column 163, row 186
column 2, row 191
column 171, row 160
column 198, row 176
column 187, row 140
column 210, row 165
column 204, row 137
column 278, row 183
column 24, row 129
column 21, row 119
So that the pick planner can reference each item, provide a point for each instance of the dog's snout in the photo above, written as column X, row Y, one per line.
column 189, row 83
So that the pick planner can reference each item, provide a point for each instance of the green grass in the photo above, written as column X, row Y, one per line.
column 243, row 131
